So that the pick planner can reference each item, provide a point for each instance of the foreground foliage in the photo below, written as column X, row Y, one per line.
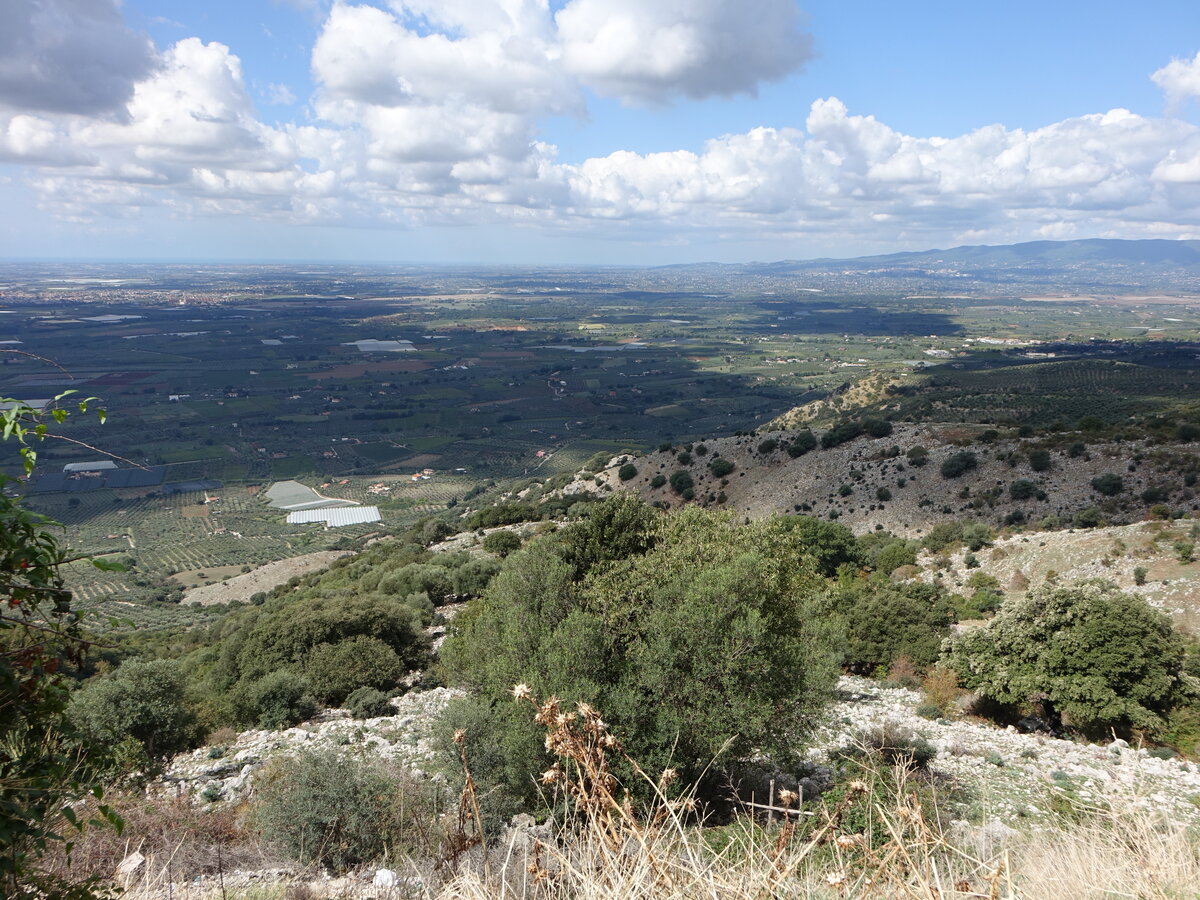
column 1086, row 656
column 700, row 637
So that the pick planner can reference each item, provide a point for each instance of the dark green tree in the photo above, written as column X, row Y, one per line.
column 705, row 645
column 1086, row 655
column 143, row 701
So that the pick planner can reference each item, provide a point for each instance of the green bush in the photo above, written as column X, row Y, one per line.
column 140, row 700
column 917, row 456
column 658, row 481
column 282, row 634
column 1039, row 460
column 768, row 446
column 627, row 472
column 943, row 535
column 885, row 622
column 1088, row 655
column 720, row 467
column 959, row 464
column 681, row 480
column 877, row 428
column 368, row 703
column 894, row 555
column 1187, row 432
column 826, row 546
column 802, row 442
column 976, row 535
column 502, row 543
column 278, row 700
column 469, row 579
column 1088, row 518
column 1022, row 489
column 1109, row 484
column 331, row 809
column 334, row 670
column 883, row 495
column 842, row 433
column 697, row 649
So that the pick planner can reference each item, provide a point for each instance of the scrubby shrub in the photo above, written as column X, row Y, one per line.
column 768, row 446
column 143, row 701
column 502, row 543
column 1022, row 489
column 883, row 495
column 894, row 555
column 334, row 670
column 942, row 535
column 1088, row 655
column 1109, row 484
column 841, row 433
column 278, row 700
column 700, row 645
column 884, row 622
column 469, row 579
column 1039, row 460
column 1088, row 518
column 802, row 443
column 1155, row 494
column 627, row 472
column 368, row 703
column 898, row 746
column 827, row 546
column 877, row 428
column 976, row 535
column 917, row 456
column 959, row 464
column 658, row 481
column 331, row 809
column 720, row 467
column 681, row 481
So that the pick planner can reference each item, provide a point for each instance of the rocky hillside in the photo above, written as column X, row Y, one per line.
column 871, row 483
column 1148, row 559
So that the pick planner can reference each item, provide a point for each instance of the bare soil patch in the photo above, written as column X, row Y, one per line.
column 264, row 578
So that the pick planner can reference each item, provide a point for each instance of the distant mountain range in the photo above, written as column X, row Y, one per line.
column 1049, row 254
column 1095, row 261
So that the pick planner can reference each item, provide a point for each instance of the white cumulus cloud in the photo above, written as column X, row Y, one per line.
column 428, row 111
column 656, row 52
column 1179, row 80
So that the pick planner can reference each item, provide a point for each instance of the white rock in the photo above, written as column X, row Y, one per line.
column 385, row 878
column 130, row 864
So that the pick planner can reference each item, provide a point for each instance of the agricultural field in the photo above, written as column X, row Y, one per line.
column 219, row 383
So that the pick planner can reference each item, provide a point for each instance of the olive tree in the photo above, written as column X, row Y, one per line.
column 700, row 644
column 1088, row 655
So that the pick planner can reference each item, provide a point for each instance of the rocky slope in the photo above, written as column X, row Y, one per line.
column 915, row 498
column 224, row 773
column 1018, row 780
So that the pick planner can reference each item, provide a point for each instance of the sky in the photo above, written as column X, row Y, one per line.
column 590, row 131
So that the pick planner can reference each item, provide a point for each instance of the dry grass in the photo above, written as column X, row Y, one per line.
column 880, row 838
column 178, row 842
